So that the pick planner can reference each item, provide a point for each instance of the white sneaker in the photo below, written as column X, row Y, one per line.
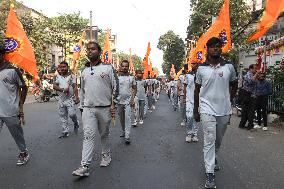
column 106, row 159
column 195, row 139
column 188, row 138
column 82, row 171
column 134, row 124
column 153, row 107
column 264, row 128
column 257, row 127
column 141, row 122
column 182, row 123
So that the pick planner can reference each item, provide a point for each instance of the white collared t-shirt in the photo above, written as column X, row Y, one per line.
column 215, row 90
column 125, row 89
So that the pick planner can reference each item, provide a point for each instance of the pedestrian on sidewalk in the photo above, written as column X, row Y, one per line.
column 141, row 94
column 174, row 93
column 189, row 86
column 98, row 94
column 66, row 84
column 12, row 99
column 248, row 97
column 263, row 89
column 181, row 94
column 127, row 93
column 216, row 86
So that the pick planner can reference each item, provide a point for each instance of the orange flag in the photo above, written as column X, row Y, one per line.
column 220, row 28
column 146, row 61
column 19, row 50
column 145, row 65
column 272, row 10
column 107, row 55
column 151, row 69
column 77, row 51
column 132, row 69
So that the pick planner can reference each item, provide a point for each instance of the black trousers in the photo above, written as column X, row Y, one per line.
column 261, row 109
column 248, row 112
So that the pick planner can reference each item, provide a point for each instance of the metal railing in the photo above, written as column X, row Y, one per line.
column 274, row 102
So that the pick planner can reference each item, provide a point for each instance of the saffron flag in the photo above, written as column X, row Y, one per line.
column 221, row 29
column 272, row 10
column 107, row 55
column 19, row 50
column 132, row 69
column 145, row 62
column 78, row 51
column 151, row 69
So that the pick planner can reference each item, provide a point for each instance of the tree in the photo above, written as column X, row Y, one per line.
column 135, row 59
column 174, row 51
column 67, row 30
column 240, row 17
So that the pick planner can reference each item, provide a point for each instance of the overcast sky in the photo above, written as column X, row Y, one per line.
column 134, row 21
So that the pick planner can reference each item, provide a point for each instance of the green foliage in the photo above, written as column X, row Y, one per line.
column 276, row 74
column 173, row 48
column 240, row 16
column 135, row 59
column 64, row 30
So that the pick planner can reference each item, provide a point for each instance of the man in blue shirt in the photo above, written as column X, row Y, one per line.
column 247, row 95
column 263, row 89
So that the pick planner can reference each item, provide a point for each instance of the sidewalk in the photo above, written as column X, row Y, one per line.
column 30, row 99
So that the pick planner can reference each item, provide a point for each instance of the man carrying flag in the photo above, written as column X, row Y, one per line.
column 66, row 84
column 127, row 93
column 12, row 99
column 215, row 87
column 98, row 94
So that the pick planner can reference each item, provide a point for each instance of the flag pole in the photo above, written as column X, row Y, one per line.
column 91, row 25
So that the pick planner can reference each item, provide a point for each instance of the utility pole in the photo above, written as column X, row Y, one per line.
column 91, row 25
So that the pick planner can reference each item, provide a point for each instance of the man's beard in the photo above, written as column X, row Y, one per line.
column 94, row 58
column 215, row 56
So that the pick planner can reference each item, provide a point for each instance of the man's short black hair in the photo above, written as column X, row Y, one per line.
column 213, row 41
column 96, row 44
column 139, row 71
column 251, row 66
column 185, row 67
column 64, row 62
column 126, row 61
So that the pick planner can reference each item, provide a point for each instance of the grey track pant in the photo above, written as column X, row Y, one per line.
column 214, row 128
column 182, row 108
column 124, row 112
column 95, row 119
column 66, row 108
column 141, row 104
column 16, row 130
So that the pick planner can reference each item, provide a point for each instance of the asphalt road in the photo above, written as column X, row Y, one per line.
column 158, row 157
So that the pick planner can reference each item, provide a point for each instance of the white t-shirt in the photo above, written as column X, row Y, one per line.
column 66, row 82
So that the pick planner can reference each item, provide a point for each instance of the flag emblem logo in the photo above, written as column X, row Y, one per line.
column 223, row 37
column 106, row 56
column 11, row 44
column 199, row 55
column 77, row 48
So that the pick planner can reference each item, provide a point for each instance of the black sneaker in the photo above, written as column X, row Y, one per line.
column 217, row 166
column 23, row 158
column 210, row 181
column 76, row 129
column 63, row 135
column 127, row 140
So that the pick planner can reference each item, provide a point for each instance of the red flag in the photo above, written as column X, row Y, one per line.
column 220, row 28
column 272, row 10
column 107, row 55
column 19, row 50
